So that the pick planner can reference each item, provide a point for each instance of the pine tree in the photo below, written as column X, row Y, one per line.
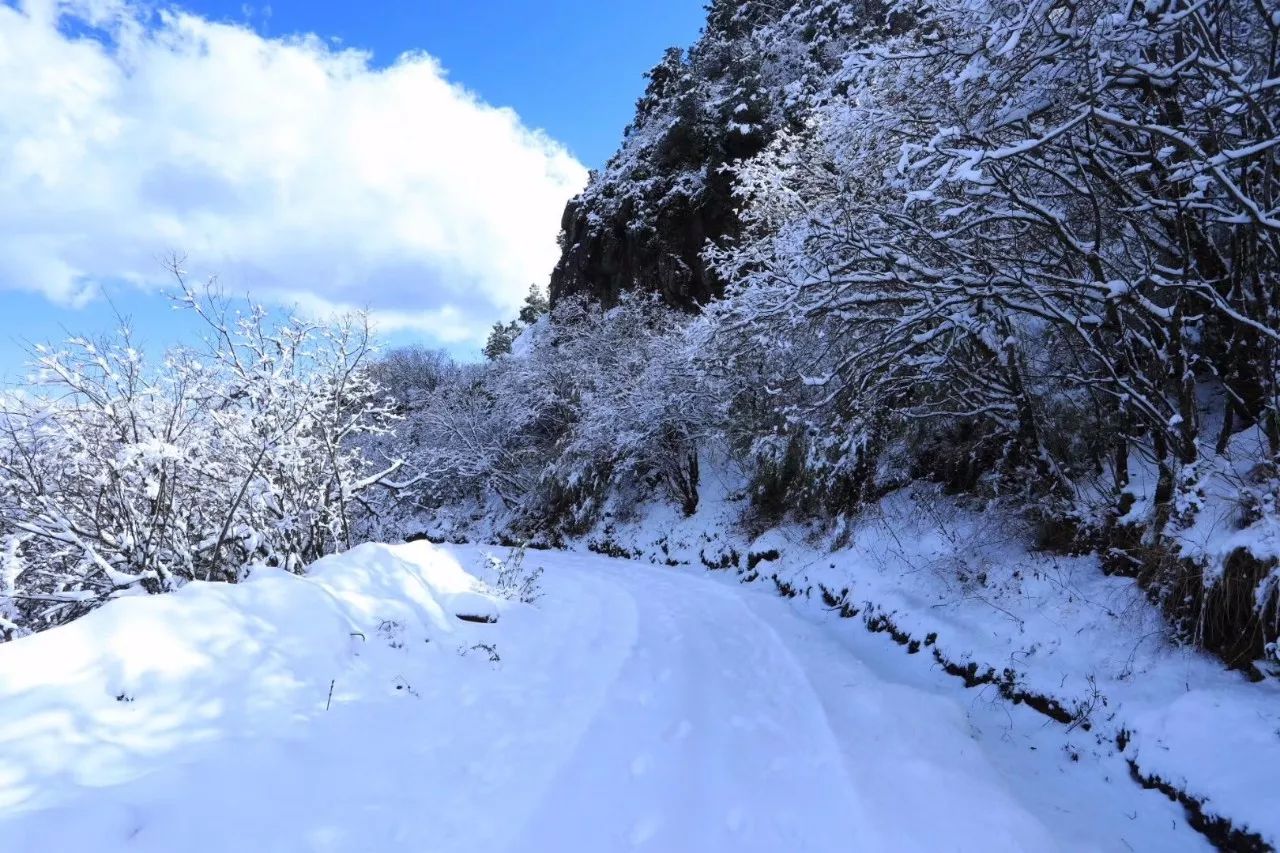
column 501, row 337
column 535, row 305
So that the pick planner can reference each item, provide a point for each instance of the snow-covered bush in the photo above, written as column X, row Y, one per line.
column 645, row 407
column 512, row 579
column 117, row 476
column 599, row 397
column 408, row 374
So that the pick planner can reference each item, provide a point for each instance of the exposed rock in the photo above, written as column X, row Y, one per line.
column 643, row 222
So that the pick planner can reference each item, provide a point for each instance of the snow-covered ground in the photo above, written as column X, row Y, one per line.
column 631, row 707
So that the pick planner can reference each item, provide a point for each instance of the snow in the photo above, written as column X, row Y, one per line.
column 116, row 725
column 965, row 574
column 633, row 707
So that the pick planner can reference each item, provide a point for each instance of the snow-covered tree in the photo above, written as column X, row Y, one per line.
column 602, row 400
column 500, row 339
column 1018, row 246
column 118, row 477
column 1020, row 211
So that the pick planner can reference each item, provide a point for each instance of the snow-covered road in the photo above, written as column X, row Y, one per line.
column 634, row 708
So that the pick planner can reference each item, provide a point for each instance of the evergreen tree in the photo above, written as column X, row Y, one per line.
column 535, row 305
column 501, row 337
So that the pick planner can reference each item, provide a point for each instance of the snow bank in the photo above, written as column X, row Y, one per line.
column 1062, row 630
column 346, row 710
column 96, row 702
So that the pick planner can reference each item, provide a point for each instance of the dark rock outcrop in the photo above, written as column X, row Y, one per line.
column 603, row 258
column 644, row 221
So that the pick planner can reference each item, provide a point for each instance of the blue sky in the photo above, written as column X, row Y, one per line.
column 571, row 67
column 295, row 169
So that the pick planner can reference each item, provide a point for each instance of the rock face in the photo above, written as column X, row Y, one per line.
column 660, row 253
column 643, row 222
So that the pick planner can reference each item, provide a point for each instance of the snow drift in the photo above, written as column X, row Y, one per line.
column 149, row 684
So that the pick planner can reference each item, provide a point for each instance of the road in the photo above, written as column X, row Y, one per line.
column 633, row 708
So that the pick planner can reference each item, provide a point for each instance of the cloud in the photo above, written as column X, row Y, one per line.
column 292, row 168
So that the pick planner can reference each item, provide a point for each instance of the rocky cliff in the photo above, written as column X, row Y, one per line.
column 644, row 220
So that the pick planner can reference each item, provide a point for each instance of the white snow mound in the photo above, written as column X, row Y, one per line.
column 94, row 702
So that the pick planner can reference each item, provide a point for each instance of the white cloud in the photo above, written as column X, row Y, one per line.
column 289, row 167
